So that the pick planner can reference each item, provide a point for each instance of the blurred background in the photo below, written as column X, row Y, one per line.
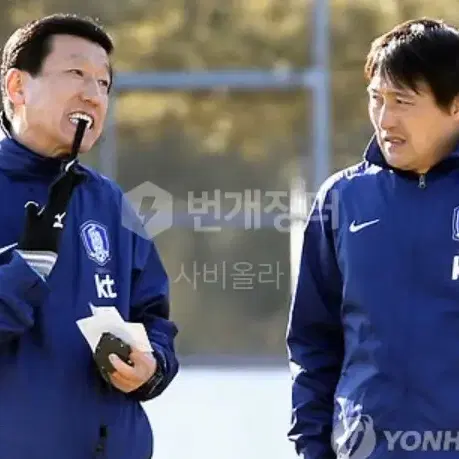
column 242, row 104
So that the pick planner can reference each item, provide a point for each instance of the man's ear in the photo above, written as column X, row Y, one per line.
column 14, row 85
column 455, row 108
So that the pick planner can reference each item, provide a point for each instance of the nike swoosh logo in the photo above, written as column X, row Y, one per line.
column 8, row 247
column 354, row 227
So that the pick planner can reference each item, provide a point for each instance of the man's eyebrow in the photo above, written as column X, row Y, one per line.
column 80, row 57
column 397, row 92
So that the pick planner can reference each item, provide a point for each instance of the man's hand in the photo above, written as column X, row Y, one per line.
column 128, row 378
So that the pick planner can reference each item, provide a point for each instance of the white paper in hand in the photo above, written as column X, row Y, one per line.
column 107, row 313
column 108, row 319
column 138, row 332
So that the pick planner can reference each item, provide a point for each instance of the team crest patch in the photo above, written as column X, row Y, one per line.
column 96, row 243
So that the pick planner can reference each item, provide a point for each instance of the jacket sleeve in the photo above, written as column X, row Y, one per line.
column 22, row 290
column 314, row 336
column 150, row 306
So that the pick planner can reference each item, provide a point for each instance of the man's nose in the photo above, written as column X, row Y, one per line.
column 387, row 118
column 92, row 92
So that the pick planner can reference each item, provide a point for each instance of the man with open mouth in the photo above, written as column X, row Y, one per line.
column 66, row 249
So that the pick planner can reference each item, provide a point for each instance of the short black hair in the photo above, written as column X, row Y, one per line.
column 28, row 47
column 419, row 50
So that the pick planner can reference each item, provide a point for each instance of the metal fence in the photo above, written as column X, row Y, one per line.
column 220, row 318
column 315, row 79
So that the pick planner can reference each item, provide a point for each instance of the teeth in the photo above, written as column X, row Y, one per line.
column 74, row 117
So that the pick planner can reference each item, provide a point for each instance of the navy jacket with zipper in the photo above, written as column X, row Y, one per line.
column 373, row 332
column 53, row 402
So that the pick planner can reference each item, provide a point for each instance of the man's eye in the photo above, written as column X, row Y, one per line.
column 403, row 101
column 76, row 72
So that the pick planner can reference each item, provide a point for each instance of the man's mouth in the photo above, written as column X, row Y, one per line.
column 76, row 116
column 393, row 139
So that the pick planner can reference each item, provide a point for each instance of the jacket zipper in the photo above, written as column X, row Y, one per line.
column 101, row 445
column 422, row 181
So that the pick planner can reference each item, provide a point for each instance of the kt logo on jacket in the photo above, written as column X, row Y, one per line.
column 54, row 404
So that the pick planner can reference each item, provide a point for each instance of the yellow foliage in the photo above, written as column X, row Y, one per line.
column 232, row 140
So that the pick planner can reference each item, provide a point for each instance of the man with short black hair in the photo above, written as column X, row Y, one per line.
column 66, row 248
column 373, row 332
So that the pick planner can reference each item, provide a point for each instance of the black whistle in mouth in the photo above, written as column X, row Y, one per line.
column 81, row 127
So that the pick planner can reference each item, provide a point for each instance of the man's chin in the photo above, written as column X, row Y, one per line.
column 397, row 161
column 84, row 149
column 65, row 153
column 89, row 138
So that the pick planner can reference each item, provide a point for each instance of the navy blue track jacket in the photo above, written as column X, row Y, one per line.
column 373, row 332
column 53, row 402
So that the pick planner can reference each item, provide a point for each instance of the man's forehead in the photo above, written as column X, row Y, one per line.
column 84, row 57
column 78, row 49
column 383, row 84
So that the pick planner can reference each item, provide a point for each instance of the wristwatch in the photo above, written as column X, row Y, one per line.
column 157, row 377
column 146, row 390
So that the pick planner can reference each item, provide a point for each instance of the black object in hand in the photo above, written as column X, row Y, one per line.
column 110, row 344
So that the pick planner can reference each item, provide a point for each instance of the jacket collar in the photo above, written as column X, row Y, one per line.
column 18, row 160
column 374, row 155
